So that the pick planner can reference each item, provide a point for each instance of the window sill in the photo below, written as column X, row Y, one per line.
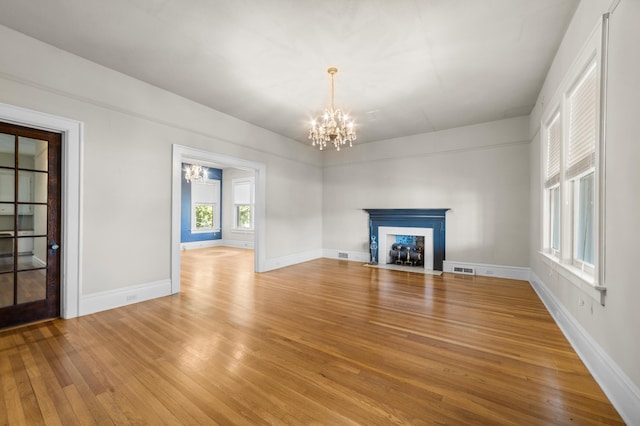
column 205, row 231
column 575, row 276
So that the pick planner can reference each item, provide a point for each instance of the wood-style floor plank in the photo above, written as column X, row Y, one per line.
column 323, row 342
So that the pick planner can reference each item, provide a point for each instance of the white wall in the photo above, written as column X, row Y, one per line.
column 228, row 211
column 129, row 128
column 480, row 172
column 614, row 327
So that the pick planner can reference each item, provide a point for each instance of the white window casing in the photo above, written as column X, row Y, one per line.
column 554, row 144
column 572, row 144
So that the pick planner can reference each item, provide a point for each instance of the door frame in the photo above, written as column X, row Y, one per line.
column 182, row 154
column 72, row 137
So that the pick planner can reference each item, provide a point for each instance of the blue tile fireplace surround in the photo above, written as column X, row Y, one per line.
column 412, row 218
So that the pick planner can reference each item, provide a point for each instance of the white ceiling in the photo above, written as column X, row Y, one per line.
column 405, row 66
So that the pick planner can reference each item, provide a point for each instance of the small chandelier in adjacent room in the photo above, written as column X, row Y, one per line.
column 334, row 126
column 196, row 173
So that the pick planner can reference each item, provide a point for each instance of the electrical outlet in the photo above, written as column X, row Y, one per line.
column 488, row 272
column 132, row 297
column 580, row 301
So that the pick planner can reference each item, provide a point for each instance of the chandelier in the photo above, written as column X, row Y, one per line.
column 334, row 127
column 195, row 173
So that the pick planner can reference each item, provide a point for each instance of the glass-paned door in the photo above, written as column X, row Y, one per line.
column 29, row 225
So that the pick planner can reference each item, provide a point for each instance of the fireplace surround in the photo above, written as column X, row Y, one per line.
column 435, row 219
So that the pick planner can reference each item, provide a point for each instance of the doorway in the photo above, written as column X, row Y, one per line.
column 182, row 154
column 30, row 209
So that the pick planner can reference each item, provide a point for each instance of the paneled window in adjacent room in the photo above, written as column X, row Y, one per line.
column 243, row 203
column 205, row 206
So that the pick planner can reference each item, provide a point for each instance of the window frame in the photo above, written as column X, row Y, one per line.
column 589, row 277
column 252, row 197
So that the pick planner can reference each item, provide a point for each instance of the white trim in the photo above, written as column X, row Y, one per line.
column 205, row 230
column 110, row 299
column 186, row 154
column 621, row 391
column 488, row 270
column 292, row 259
column 238, row 243
column 575, row 276
column 200, row 244
column 356, row 256
column 384, row 245
column 37, row 261
column 71, row 253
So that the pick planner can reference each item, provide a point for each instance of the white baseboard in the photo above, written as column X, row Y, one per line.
column 111, row 299
column 200, row 244
column 281, row 262
column 486, row 270
column 37, row 261
column 621, row 391
column 238, row 243
column 356, row 256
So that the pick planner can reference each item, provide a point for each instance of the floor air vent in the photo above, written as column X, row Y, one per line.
column 463, row 270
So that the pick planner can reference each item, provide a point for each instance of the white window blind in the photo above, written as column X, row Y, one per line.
column 242, row 193
column 554, row 142
column 204, row 193
column 583, row 124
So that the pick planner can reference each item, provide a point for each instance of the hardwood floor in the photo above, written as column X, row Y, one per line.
column 325, row 342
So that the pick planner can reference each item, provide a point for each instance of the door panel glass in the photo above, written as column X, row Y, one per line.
column 6, row 290
column 32, row 286
column 36, row 222
column 32, row 187
column 7, row 150
column 32, row 252
column 7, row 187
column 6, row 252
column 6, row 216
column 32, row 154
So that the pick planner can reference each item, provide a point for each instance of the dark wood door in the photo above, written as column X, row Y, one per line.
column 29, row 224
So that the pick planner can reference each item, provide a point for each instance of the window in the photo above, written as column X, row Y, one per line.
column 205, row 206
column 571, row 147
column 555, row 220
column 552, row 181
column 243, row 203
column 580, row 168
column 204, row 216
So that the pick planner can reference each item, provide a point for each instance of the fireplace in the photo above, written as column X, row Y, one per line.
column 429, row 224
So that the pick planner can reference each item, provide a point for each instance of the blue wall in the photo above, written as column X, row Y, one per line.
column 185, row 211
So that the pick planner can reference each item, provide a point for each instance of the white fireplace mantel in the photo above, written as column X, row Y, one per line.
column 386, row 237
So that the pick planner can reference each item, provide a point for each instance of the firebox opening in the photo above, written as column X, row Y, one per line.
column 407, row 250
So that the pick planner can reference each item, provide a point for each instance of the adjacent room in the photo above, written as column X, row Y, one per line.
column 301, row 212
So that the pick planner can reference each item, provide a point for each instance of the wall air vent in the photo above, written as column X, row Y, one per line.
column 343, row 255
column 464, row 270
